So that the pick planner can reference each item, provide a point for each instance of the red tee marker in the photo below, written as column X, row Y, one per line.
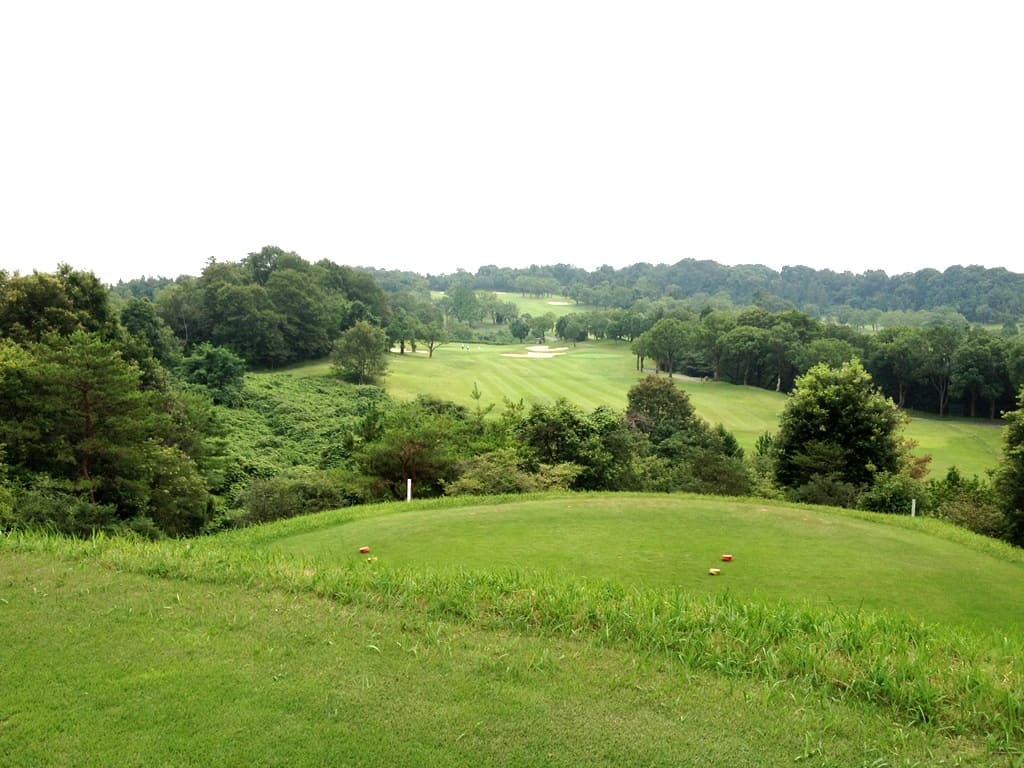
column 363, row 550
column 726, row 558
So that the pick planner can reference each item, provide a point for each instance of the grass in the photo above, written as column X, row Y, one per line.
column 536, row 307
column 222, row 651
column 178, row 672
column 796, row 554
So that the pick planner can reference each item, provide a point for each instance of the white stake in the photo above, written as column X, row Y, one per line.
column 408, row 489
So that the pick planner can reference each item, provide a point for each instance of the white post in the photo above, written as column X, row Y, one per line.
column 408, row 489
column 913, row 507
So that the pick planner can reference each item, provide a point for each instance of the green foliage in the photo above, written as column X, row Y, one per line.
column 599, row 444
column 825, row 490
column 37, row 305
column 55, row 505
column 299, row 491
column 894, row 493
column 217, row 370
column 360, row 353
column 420, row 441
column 658, row 408
column 667, row 342
column 493, row 473
column 140, row 319
column 75, row 411
column 1009, row 477
column 835, row 424
column 688, row 455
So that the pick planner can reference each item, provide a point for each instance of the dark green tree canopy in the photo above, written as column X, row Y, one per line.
column 360, row 353
column 837, row 424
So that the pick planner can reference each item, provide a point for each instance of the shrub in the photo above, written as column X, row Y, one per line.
column 892, row 493
column 979, row 516
column 53, row 505
column 971, row 503
column 826, row 490
column 299, row 492
column 493, row 473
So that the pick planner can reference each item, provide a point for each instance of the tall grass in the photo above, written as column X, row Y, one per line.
column 958, row 682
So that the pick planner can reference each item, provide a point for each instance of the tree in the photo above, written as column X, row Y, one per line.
column 140, row 319
column 897, row 356
column 33, row 306
column 1009, row 479
column 836, row 425
column 571, row 328
column 360, row 353
column 598, row 444
column 941, row 343
column 244, row 320
column 667, row 341
column 979, row 369
column 743, row 343
column 403, row 327
column 217, row 370
column 422, row 441
column 520, row 327
column 88, row 435
column 465, row 305
column 539, row 326
column 302, row 308
column 658, row 408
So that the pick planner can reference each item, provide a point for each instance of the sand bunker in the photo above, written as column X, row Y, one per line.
column 538, row 351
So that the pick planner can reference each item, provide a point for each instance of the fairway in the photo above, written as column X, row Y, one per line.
column 596, row 374
column 781, row 552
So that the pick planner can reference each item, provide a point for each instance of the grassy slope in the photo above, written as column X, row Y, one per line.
column 596, row 374
column 103, row 666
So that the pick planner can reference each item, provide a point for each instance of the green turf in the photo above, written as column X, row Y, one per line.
column 793, row 553
column 102, row 667
column 535, row 307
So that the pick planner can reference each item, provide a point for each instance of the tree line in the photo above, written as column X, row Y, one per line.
column 977, row 294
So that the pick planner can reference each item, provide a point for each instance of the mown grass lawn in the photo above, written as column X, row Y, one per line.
column 798, row 554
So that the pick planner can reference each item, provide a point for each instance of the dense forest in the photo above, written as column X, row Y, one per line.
column 128, row 407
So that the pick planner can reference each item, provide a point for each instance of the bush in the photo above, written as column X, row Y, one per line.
column 978, row 516
column 489, row 474
column 892, row 493
column 699, row 472
column 299, row 492
column 971, row 503
column 827, row 490
column 53, row 505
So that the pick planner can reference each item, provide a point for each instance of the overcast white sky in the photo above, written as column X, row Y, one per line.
column 139, row 138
